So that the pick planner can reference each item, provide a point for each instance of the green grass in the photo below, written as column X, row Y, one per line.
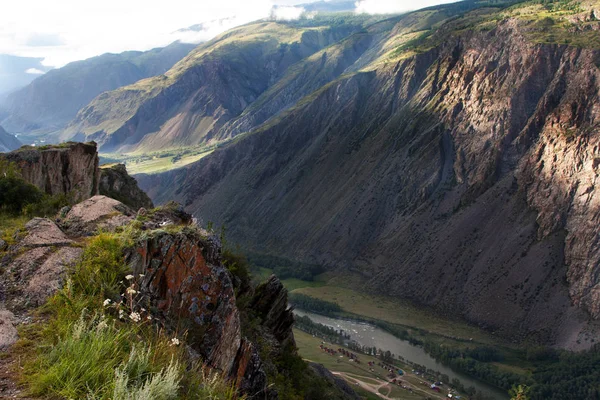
column 157, row 165
column 308, row 346
column 11, row 226
column 83, row 347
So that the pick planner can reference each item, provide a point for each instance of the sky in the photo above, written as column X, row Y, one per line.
column 61, row 31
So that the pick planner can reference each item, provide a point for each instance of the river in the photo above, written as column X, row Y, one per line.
column 369, row 335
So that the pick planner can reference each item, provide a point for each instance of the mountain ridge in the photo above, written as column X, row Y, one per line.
column 53, row 99
column 432, row 177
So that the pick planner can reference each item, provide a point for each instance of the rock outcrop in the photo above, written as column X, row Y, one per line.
column 33, row 269
column 70, row 169
column 270, row 304
column 179, row 278
column 94, row 214
column 117, row 184
column 184, row 279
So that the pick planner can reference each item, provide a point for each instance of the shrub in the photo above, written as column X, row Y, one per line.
column 15, row 194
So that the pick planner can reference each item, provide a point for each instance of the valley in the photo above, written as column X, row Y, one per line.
column 373, row 380
column 321, row 203
column 377, row 318
column 158, row 161
column 428, row 159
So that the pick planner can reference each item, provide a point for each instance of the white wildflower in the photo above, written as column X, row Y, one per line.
column 135, row 317
column 129, row 277
column 131, row 290
column 106, row 302
column 102, row 325
column 149, row 317
column 142, row 275
column 121, row 314
column 174, row 342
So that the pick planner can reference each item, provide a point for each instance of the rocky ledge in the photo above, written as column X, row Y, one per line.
column 69, row 168
column 184, row 282
column 115, row 182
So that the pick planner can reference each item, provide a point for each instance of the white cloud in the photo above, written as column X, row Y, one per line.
column 287, row 13
column 62, row 31
column 394, row 6
column 90, row 28
column 34, row 71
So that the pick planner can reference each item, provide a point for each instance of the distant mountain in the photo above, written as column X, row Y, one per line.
column 8, row 142
column 16, row 72
column 51, row 100
column 205, row 97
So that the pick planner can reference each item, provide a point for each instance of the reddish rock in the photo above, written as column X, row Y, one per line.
column 248, row 372
column 185, row 280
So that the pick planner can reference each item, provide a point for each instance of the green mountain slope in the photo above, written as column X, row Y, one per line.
column 53, row 99
column 211, row 87
column 452, row 163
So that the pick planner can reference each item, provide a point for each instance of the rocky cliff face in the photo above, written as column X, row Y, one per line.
column 461, row 176
column 116, row 183
column 185, row 279
column 70, row 168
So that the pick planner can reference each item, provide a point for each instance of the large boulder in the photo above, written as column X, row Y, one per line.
column 49, row 277
column 35, row 267
column 42, row 232
column 115, row 182
column 96, row 213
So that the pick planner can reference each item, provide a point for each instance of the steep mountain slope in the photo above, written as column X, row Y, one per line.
column 452, row 166
column 212, row 86
column 7, row 141
column 53, row 99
